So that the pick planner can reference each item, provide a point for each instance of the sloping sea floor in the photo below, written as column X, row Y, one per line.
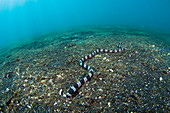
column 35, row 74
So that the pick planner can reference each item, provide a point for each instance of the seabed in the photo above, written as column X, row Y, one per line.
column 35, row 74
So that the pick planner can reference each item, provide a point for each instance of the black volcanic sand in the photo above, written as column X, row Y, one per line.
column 36, row 73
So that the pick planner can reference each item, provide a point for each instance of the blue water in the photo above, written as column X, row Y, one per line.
column 20, row 19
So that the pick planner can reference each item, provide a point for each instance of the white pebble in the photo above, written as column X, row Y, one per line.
column 55, row 103
column 7, row 89
column 100, row 78
column 100, row 90
column 98, row 56
column 160, row 78
column 51, row 81
column 109, row 104
column 107, row 60
column 59, row 76
column 60, row 91
column 29, row 106
column 64, row 95
column 104, row 58
column 17, row 73
column 111, row 70
column 26, row 80
column 100, row 97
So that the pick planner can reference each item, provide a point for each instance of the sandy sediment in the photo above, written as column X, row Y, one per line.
column 35, row 74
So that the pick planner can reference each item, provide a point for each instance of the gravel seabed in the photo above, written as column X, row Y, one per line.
column 35, row 74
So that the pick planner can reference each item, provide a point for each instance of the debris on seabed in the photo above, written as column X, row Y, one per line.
column 36, row 75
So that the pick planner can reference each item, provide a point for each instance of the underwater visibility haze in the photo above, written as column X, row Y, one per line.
column 84, row 55
column 23, row 18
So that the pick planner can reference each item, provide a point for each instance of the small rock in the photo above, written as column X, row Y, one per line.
column 111, row 70
column 109, row 104
column 43, row 81
column 104, row 58
column 60, row 92
column 160, row 78
column 153, row 45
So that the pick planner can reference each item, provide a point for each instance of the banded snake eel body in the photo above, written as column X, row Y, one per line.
column 76, row 86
